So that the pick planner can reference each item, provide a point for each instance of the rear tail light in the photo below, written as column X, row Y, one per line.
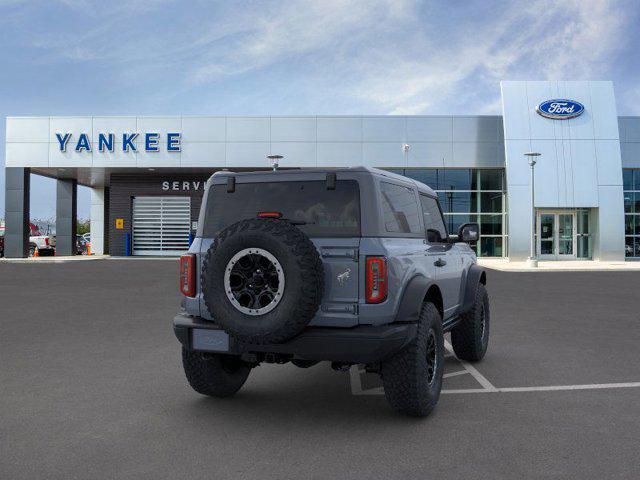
column 46, row 241
column 188, row 275
column 376, row 280
column 269, row 215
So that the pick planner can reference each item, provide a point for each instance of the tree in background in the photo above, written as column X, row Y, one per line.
column 84, row 226
column 45, row 226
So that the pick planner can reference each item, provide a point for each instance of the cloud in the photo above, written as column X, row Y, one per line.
column 540, row 40
column 294, row 30
column 390, row 56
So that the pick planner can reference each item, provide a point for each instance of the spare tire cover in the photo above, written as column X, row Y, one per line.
column 262, row 280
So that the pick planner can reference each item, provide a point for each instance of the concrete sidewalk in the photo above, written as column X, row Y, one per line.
column 54, row 259
column 505, row 265
column 500, row 264
column 81, row 258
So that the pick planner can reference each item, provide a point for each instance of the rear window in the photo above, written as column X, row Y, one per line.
column 322, row 212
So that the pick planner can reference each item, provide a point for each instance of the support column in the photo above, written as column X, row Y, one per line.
column 106, row 220
column 17, row 190
column 66, row 217
column 610, row 224
column 97, row 221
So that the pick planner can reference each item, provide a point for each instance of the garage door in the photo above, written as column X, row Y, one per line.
column 161, row 225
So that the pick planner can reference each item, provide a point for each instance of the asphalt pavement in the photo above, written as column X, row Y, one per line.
column 91, row 386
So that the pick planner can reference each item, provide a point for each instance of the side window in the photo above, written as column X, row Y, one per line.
column 400, row 209
column 433, row 222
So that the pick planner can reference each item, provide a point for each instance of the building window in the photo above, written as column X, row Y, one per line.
column 631, row 181
column 470, row 195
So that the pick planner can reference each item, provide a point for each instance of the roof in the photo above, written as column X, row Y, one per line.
column 374, row 171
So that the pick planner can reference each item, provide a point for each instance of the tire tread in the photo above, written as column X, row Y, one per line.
column 466, row 336
column 404, row 374
column 207, row 376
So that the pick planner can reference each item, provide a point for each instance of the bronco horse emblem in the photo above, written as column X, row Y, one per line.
column 343, row 277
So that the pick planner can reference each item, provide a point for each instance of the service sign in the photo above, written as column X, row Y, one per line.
column 149, row 141
column 560, row 109
column 183, row 186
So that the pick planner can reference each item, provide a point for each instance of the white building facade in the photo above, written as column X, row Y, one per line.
column 147, row 174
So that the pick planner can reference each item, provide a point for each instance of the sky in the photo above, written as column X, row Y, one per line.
column 147, row 57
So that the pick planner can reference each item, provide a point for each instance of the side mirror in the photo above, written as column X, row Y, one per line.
column 469, row 232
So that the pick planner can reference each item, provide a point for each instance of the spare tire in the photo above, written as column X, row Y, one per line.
column 262, row 280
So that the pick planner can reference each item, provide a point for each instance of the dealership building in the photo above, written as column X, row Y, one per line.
column 147, row 174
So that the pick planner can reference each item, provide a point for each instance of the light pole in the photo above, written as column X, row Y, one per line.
column 274, row 161
column 532, row 261
column 405, row 153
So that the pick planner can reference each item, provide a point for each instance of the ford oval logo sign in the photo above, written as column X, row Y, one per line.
column 560, row 109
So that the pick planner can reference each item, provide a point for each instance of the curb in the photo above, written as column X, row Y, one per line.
column 49, row 260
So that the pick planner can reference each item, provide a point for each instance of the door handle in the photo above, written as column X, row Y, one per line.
column 440, row 263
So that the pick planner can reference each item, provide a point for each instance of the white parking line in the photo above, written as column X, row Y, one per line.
column 548, row 388
column 356, row 384
column 455, row 374
column 356, row 381
column 486, row 384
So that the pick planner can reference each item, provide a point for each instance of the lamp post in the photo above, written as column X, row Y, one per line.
column 405, row 153
column 274, row 161
column 532, row 261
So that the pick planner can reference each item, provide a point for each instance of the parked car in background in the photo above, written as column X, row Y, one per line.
column 44, row 243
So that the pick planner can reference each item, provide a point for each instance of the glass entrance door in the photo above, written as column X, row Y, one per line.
column 556, row 235
column 566, row 234
column 547, row 242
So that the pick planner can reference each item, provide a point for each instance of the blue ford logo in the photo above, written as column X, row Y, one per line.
column 560, row 109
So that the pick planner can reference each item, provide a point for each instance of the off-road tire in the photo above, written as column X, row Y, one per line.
column 470, row 337
column 405, row 374
column 214, row 374
column 303, row 272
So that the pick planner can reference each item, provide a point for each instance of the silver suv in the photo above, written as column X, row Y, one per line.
column 351, row 266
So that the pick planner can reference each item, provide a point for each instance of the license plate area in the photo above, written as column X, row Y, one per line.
column 210, row 340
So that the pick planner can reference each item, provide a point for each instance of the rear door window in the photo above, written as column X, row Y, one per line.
column 433, row 221
column 400, row 209
column 317, row 211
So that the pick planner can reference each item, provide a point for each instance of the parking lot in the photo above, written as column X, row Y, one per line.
column 92, row 387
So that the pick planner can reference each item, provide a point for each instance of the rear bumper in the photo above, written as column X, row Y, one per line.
column 361, row 344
